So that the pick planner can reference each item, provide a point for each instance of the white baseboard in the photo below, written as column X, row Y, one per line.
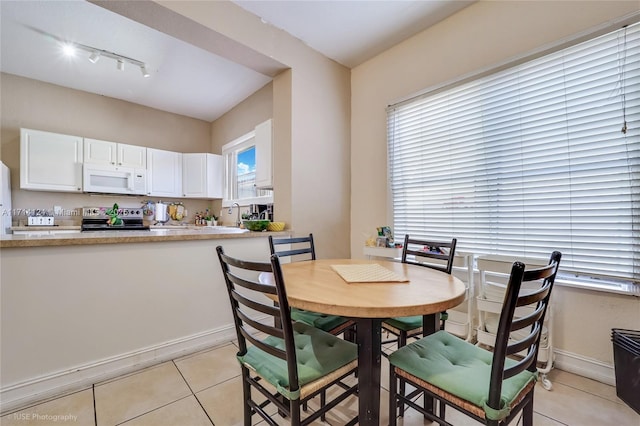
column 585, row 367
column 39, row 389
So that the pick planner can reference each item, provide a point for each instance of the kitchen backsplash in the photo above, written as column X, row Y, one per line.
column 72, row 215
column 64, row 215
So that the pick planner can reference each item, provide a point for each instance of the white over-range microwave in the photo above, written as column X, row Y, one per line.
column 114, row 180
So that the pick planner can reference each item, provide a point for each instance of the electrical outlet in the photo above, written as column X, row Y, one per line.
column 40, row 221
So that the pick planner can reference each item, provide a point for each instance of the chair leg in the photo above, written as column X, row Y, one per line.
column 349, row 335
column 323, row 402
column 527, row 411
column 294, row 406
column 402, row 341
column 246, row 392
column 393, row 401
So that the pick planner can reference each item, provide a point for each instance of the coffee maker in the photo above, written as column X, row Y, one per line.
column 261, row 211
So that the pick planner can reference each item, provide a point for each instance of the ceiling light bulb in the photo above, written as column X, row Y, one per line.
column 93, row 58
column 69, row 49
column 143, row 69
column 120, row 65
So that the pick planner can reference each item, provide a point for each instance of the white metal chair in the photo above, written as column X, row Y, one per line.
column 460, row 321
column 494, row 273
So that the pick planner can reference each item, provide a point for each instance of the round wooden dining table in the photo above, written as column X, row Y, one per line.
column 316, row 286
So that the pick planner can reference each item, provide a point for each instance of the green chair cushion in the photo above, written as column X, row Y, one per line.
column 315, row 319
column 410, row 323
column 460, row 368
column 405, row 323
column 318, row 354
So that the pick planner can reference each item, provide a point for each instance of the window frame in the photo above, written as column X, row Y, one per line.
column 230, row 157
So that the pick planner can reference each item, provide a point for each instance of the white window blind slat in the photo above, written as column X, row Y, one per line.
column 529, row 159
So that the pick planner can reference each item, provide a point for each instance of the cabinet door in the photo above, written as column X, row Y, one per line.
column 215, row 177
column 50, row 161
column 99, row 152
column 264, row 165
column 114, row 154
column 194, row 175
column 132, row 156
column 164, row 173
column 202, row 175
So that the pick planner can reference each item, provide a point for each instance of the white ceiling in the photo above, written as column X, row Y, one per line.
column 353, row 31
column 185, row 79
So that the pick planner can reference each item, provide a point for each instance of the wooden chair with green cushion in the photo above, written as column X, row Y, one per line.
column 491, row 387
column 431, row 254
column 303, row 248
column 287, row 365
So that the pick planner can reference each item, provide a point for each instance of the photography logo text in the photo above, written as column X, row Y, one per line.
column 49, row 418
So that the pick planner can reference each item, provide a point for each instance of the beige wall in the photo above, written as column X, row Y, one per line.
column 481, row 36
column 65, row 327
column 43, row 106
column 243, row 118
column 311, row 123
column 239, row 121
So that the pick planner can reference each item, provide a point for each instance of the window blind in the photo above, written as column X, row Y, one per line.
column 529, row 160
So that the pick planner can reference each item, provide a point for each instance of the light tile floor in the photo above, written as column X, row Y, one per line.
column 205, row 389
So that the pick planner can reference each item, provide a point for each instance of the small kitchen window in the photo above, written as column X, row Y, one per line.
column 240, row 173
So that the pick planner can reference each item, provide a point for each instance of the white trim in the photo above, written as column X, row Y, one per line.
column 41, row 388
column 615, row 287
column 231, row 145
column 585, row 367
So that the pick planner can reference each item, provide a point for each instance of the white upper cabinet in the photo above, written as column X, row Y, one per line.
column 50, row 161
column 264, row 160
column 202, row 175
column 115, row 154
column 132, row 156
column 164, row 173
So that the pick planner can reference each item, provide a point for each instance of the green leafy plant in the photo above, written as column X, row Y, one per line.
column 210, row 216
column 114, row 220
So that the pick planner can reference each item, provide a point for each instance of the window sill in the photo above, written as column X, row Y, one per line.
column 615, row 287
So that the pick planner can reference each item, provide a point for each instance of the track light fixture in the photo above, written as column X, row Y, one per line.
column 94, row 57
column 70, row 48
column 95, row 54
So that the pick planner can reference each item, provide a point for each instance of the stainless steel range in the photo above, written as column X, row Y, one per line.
column 95, row 219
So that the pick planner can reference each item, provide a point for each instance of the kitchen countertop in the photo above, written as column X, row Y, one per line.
column 156, row 234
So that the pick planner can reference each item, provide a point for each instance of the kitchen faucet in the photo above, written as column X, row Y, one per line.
column 238, row 217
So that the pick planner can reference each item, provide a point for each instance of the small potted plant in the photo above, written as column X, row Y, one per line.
column 210, row 218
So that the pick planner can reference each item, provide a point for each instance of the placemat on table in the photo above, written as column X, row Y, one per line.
column 367, row 273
